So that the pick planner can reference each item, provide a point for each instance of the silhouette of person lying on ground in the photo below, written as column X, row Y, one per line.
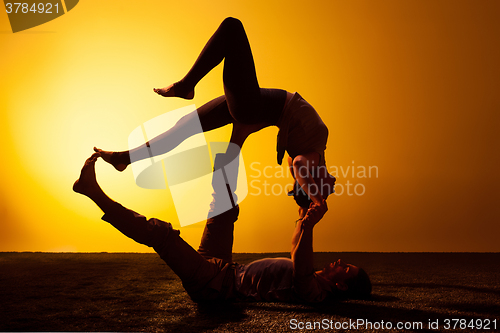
column 209, row 274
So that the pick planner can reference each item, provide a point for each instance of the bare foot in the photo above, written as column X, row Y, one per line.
column 170, row 92
column 87, row 183
column 112, row 158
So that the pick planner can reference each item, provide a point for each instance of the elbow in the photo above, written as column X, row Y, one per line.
column 299, row 161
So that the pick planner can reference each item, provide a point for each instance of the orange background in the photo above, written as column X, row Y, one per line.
column 409, row 87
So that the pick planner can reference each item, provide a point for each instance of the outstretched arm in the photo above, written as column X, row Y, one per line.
column 302, row 240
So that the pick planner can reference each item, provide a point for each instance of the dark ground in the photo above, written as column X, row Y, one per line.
column 138, row 292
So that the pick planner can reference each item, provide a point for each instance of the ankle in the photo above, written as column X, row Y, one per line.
column 120, row 157
column 181, row 89
column 125, row 157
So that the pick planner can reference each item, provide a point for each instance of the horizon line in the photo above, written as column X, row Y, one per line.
column 381, row 252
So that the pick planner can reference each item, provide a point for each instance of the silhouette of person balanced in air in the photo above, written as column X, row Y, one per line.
column 249, row 108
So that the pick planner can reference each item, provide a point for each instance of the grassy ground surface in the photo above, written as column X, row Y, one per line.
column 138, row 292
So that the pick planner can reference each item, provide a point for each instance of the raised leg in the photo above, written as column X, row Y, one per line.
column 211, row 115
column 191, row 267
column 217, row 239
column 241, row 87
column 230, row 43
column 244, row 101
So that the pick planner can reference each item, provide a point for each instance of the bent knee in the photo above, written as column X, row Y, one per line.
column 232, row 22
column 159, row 233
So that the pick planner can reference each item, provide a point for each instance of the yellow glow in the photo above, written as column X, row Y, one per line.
column 407, row 86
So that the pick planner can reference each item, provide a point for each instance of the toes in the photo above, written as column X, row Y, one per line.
column 93, row 158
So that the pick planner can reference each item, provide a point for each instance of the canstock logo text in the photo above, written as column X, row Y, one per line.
column 185, row 163
column 28, row 14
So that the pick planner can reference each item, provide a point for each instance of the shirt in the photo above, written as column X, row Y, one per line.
column 273, row 279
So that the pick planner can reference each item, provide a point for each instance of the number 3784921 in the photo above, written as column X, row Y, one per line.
column 36, row 8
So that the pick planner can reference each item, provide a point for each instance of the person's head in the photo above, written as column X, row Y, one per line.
column 346, row 280
column 324, row 181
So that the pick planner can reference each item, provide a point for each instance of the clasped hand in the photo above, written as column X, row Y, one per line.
column 314, row 214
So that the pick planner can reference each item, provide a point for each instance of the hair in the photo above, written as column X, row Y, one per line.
column 300, row 196
column 319, row 174
column 358, row 287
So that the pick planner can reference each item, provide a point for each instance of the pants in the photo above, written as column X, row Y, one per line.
column 206, row 274
column 243, row 100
